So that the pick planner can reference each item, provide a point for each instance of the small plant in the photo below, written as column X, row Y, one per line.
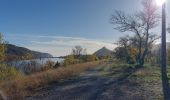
column 57, row 65
column 49, row 65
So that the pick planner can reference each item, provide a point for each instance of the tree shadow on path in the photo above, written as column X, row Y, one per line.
column 94, row 86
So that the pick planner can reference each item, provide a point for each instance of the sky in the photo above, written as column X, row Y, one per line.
column 56, row 26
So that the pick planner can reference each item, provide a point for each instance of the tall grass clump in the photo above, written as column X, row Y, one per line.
column 7, row 75
column 48, row 65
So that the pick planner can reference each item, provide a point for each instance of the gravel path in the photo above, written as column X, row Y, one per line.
column 92, row 85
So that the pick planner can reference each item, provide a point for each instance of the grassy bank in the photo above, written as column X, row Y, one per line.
column 149, row 79
column 22, row 85
column 144, row 83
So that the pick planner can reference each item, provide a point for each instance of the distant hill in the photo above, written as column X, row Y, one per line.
column 103, row 52
column 16, row 51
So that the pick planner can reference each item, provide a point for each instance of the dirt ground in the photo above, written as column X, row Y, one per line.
column 101, row 83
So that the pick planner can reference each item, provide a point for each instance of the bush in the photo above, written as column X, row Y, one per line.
column 69, row 60
column 7, row 73
column 49, row 65
column 89, row 58
column 57, row 65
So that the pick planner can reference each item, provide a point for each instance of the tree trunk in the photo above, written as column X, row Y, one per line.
column 142, row 61
column 165, row 83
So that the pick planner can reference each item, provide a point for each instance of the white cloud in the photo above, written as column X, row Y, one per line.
column 59, row 46
column 167, row 39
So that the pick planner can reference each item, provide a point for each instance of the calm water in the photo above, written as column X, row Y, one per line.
column 39, row 62
column 44, row 60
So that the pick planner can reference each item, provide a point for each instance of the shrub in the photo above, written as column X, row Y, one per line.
column 7, row 73
column 57, row 65
column 69, row 60
column 49, row 65
column 91, row 58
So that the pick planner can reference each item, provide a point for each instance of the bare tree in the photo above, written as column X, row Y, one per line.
column 125, row 43
column 140, row 23
column 77, row 51
column 84, row 51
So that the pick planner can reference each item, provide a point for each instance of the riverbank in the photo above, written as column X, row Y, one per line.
column 23, row 85
column 106, row 82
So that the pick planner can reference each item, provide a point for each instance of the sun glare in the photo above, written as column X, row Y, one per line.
column 160, row 2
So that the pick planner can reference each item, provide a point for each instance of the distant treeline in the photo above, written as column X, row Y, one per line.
column 79, row 55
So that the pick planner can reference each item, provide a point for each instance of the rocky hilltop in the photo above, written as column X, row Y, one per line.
column 103, row 52
column 16, row 51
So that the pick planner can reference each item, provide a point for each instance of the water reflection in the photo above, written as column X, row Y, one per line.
column 28, row 66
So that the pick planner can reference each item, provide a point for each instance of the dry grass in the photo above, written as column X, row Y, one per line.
column 149, row 79
column 22, row 85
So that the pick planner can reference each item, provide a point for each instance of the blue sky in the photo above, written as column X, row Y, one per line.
column 43, row 24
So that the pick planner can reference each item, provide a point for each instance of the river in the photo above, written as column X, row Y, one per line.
column 38, row 63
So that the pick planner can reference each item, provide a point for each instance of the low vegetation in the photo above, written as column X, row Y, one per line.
column 168, row 56
column 145, row 82
column 21, row 85
column 15, row 84
column 7, row 73
column 79, row 55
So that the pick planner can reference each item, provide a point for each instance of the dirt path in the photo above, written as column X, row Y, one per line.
column 93, row 85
